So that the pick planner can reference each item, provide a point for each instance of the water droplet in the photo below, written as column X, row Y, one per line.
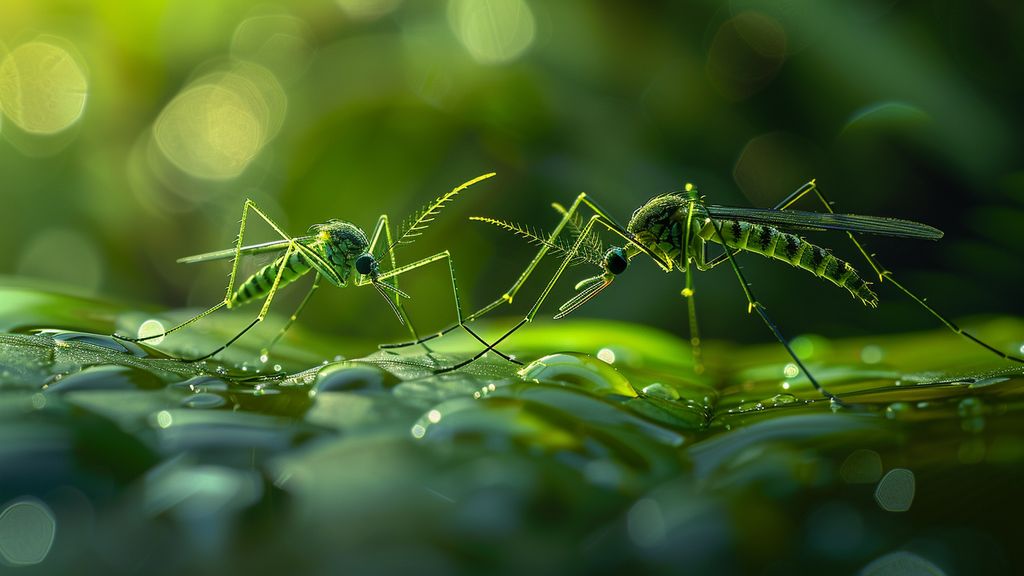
column 203, row 400
column 277, row 367
column 871, row 354
column 781, row 399
column 785, row 385
column 659, row 390
column 578, row 370
column 418, row 431
column 892, row 411
column 152, row 327
column 264, row 356
column 895, row 492
column 606, row 355
column 434, row 416
column 791, row 370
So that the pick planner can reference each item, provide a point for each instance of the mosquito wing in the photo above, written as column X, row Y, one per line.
column 272, row 246
column 801, row 220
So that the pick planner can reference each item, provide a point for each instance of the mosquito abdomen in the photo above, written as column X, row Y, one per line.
column 774, row 243
column 258, row 285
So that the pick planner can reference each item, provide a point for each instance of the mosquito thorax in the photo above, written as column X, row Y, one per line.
column 341, row 242
column 615, row 260
column 658, row 211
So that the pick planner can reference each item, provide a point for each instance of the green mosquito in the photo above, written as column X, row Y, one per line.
column 674, row 230
column 334, row 250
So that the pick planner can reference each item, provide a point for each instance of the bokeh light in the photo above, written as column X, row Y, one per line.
column 43, row 87
column 280, row 42
column 27, row 530
column 216, row 126
column 63, row 255
column 367, row 9
column 493, row 31
column 745, row 54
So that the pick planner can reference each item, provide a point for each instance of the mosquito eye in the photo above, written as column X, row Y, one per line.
column 615, row 261
column 364, row 264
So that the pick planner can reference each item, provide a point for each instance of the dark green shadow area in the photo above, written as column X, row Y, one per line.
column 315, row 463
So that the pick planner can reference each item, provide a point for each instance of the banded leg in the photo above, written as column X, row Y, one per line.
column 395, row 272
column 249, row 205
column 885, row 275
column 754, row 305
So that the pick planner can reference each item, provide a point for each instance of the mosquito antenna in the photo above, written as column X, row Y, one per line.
column 423, row 217
column 537, row 238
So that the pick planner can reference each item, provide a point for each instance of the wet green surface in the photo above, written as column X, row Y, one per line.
column 126, row 460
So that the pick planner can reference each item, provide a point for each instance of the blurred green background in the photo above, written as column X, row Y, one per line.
column 132, row 132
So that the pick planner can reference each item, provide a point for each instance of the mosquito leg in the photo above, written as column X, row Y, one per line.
column 455, row 292
column 885, row 275
column 754, row 305
column 294, row 316
column 249, row 205
column 383, row 230
column 689, row 294
column 511, row 292
column 263, row 311
column 598, row 218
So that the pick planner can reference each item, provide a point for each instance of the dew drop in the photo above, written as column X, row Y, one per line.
column 152, row 327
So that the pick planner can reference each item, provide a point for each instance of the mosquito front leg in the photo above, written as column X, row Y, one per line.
column 383, row 230
column 511, row 292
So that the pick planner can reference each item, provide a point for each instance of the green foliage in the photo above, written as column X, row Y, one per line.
column 377, row 457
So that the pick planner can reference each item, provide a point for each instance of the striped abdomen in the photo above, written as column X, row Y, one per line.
column 774, row 243
column 258, row 285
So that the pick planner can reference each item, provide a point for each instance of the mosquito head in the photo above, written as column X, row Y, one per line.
column 615, row 260
column 366, row 264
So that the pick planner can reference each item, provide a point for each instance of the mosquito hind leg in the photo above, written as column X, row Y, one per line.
column 754, row 305
column 259, row 318
column 249, row 205
column 885, row 275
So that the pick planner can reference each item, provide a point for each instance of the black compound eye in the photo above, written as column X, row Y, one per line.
column 364, row 264
column 615, row 261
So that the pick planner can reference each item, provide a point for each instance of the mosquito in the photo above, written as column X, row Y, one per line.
column 333, row 250
column 674, row 230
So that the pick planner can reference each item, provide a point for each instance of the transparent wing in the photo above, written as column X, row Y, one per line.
column 802, row 220
column 272, row 246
